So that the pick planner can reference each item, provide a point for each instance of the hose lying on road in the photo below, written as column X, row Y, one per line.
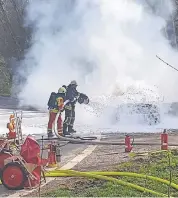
column 69, row 173
column 102, row 177
column 73, row 140
column 79, row 141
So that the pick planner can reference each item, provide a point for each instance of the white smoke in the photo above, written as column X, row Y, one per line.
column 108, row 46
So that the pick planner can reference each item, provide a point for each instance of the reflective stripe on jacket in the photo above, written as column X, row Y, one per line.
column 68, row 106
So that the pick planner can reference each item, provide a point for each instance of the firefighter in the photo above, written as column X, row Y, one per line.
column 56, row 104
column 72, row 95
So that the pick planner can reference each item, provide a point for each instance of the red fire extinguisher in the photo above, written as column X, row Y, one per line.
column 128, row 146
column 52, row 156
column 164, row 140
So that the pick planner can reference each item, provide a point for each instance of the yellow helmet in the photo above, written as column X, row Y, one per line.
column 61, row 90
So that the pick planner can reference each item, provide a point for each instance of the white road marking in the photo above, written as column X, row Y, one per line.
column 79, row 158
column 67, row 166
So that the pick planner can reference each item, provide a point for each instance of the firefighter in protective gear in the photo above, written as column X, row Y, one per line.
column 55, row 105
column 72, row 95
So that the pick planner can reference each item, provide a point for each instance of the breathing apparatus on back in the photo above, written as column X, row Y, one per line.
column 54, row 96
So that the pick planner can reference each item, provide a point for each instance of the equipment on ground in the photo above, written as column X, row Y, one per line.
column 20, row 161
column 22, row 167
column 24, row 170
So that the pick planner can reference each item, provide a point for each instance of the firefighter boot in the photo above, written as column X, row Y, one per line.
column 50, row 134
column 65, row 132
column 71, row 130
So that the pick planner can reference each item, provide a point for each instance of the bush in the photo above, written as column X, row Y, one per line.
column 5, row 79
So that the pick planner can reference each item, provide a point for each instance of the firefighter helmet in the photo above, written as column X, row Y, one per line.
column 61, row 90
column 73, row 82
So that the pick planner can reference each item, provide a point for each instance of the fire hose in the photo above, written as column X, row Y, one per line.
column 104, row 176
column 101, row 175
column 70, row 173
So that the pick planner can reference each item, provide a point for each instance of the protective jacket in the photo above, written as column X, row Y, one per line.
column 72, row 94
column 59, row 103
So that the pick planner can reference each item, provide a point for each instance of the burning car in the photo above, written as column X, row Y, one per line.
column 149, row 113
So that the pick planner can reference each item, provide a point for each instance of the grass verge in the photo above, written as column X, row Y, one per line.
column 159, row 165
